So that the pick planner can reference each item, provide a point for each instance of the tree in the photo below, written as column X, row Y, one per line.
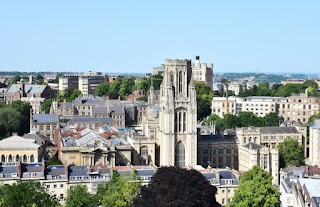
column 41, row 82
column 39, row 77
column 122, row 189
column 291, row 153
column 46, row 105
column 142, row 85
column 9, row 122
column 115, row 86
column 172, row 186
column 246, row 118
column 80, row 197
column 24, row 109
column 102, row 90
column 142, row 98
column 204, row 99
column 271, row 119
column 27, row 193
column 15, row 79
column 126, row 87
column 256, row 190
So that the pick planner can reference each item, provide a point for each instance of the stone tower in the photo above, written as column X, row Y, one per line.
column 178, row 115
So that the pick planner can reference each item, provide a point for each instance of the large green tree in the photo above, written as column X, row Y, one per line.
column 102, row 90
column 9, row 122
column 291, row 153
column 126, row 87
column 115, row 86
column 24, row 109
column 79, row 196
column 271, row 119
column 255, row 189
column 121, row 190
column 27, row 194
column 172, row 186
column 204, row 100
column 246, row 118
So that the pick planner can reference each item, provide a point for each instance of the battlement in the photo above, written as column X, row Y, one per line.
column 177, row 62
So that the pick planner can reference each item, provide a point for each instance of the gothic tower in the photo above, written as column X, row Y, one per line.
column 178, row 115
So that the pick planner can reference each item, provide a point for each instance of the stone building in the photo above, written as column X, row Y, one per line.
column 314, row 143
column 19, row 149
column 17, row 91
column 178, row 115
column 297, row 108
column 203, row 72
column 93, row 149
column 44, row 124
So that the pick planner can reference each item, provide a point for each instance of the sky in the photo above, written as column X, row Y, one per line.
column 135, row 36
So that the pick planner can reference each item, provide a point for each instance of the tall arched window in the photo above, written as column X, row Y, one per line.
column 180, row 82
column 31, row 158
column 3, row 158
column 10, row 158
column 17, row 158
column 184, row 121
column 180, row 155
column 25, row 158
column 144, row 154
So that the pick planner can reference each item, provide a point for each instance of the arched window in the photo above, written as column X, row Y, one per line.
column 31, row 158
column 184, row 121
column 175, row 122
column 3, row 158
column 245, row 140
column 180, row 155
column 255, row 139
column 25, row 158
column 180, row 82
column 10, row 158
column 17, row 158
column 180, row 121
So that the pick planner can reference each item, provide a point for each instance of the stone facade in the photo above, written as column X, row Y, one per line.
column 178, row 115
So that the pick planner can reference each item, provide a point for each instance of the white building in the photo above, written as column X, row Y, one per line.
column 314, row 143
column 203, row 72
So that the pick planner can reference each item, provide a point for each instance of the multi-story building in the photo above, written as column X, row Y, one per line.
column 314, row 143
column 297, row 108
column 44, row 124
column 86, row 83
column 235, row 86
column 225, row 180
column 203, row 72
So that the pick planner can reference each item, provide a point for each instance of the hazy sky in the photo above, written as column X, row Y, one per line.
column 135, row 36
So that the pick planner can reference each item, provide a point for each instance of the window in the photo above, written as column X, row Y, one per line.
column 144, row 151
column 61, row 196
column 222, row 201
column 205, row 151
column 31, row 158
column 17, row 158
column 48, row 186
column 25, row 158
column 180, row 155
column 61, row 185
column 3, row 158
column 55, row 186
column 10, row 158
column 220, row 151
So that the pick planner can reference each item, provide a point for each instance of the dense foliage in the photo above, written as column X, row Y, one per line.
column 46, row 105
column 79, row 196
column 121, row 190
column 204, row 100
column 291, row 153
column 243, row 119
column 256, row 190
column 14, row 117
column 282, row 90
column 171, row 186
column 69, row 95
column 27, row 194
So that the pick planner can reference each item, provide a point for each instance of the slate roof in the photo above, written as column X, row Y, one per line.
column 19, row 143
column 40, row 139
column 31, row 167
column 55, row 170
column 7, row 170
column 252, row 145
column 278, row 130
column 107, row 110
column 78, row 171
column 96, row 101
column 29, row 88
column 45, row 118
column 227, row 175
column 92, row 119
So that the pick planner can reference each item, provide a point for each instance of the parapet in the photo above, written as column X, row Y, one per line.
column 177, row 62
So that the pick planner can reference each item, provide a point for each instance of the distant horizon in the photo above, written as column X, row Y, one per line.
column 126, row 36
